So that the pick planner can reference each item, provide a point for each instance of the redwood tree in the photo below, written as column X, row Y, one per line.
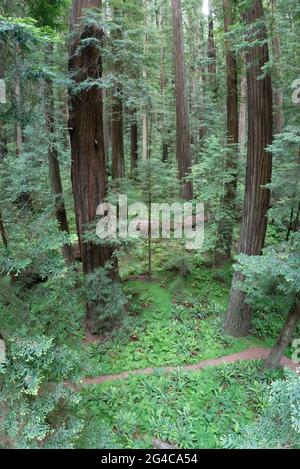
column 223, row 248
column 117, row 139
column 89, row 179
column 242, row 111
column 212, row 55
column 163, row 83
column 259, row 164
column 2, row 155
column 183, row 150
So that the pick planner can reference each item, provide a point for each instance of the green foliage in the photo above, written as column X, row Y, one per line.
column 272, row 281
column 285, row 184
column 35, row 401
column 177, row 318
column 95, row 436
column 279, row 424
column 107, row 295
column 54, row 308
column 23, row 31
column 48, row 13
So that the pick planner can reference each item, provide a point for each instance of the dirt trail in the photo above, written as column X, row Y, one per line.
column 249, row 354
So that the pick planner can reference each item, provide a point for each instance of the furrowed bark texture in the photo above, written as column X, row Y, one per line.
column 258, row 170
column 89, row 180
column 183, row 150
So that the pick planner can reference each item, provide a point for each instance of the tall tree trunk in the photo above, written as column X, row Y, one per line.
column 3, row 151
column 243, row 113
column 145, row 113
column 117, row 139
column 18, row 101
column 3, row 232
column 285, row 337
column 183, row 150
column 202, row 126
column 89, row 180
column 223, row 248
column 133, row 141
column 54, row 170
column 3, row 142
column 212, row 56
column 3, row 148
column 145, row 135
column 117, row 142
column 278, row 93
column 202, row 80
column 106, row 121
column 258, row 170
column 18, row 104
column 192, row 72
column 163, row 84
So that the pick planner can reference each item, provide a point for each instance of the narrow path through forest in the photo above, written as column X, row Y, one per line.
column 249, row 354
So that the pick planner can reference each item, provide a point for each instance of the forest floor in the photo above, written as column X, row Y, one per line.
column 174, row 323
column 247, row 355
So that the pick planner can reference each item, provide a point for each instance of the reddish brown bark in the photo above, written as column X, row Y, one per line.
column 3, row 151
column 89, row 180
column 223, row 248
column 258, row 170
column 278, row 93
column 212, row 56
column 117, row 142
column 183, row 150
column 242, row 113
column 117, row 139
column 163, row 84
column 3, row 232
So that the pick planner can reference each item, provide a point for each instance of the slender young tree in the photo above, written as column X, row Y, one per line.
column 54, row 169
column 89, row 180
column 133, row 141
column 145, row 125
column 18, row 104
column 3, row 148
column 285, row 337
column 183, row 150
column 259, row 164
column 223, row 248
